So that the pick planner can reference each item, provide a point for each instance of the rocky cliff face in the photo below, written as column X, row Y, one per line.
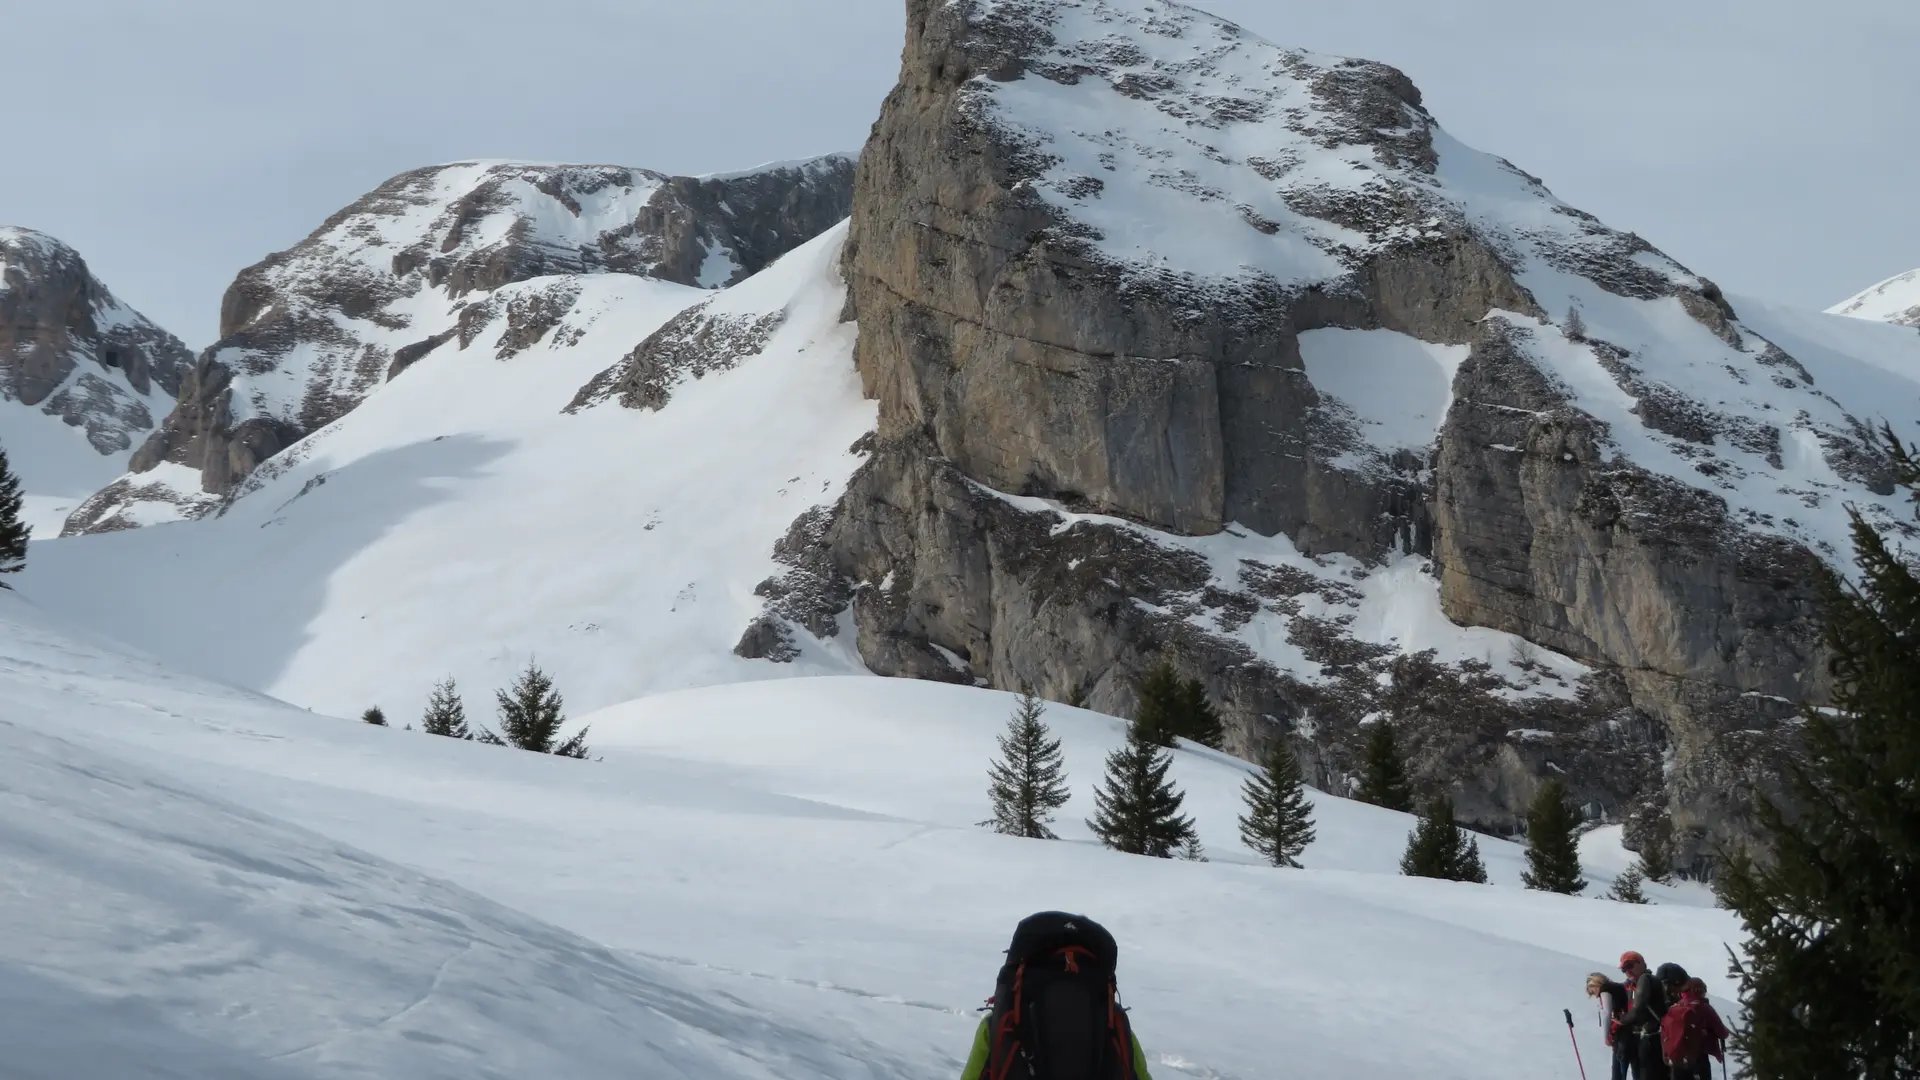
column 70, row 349
column 1186, row 344
column 427, row 261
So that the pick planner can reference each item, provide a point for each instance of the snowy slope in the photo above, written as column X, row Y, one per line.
column 428, row 263
column 83, row 377
column 779, row 879
column 458, row 523
column 1895, row 300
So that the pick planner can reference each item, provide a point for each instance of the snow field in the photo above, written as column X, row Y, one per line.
column 457, row 523
column 789, row 871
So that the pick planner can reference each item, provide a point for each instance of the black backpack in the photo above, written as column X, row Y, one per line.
column 1055, row 1011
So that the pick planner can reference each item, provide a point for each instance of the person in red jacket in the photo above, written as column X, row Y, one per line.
column 1693, row 1035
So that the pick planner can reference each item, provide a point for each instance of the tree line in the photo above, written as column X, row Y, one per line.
column 1138, row 808
column 531, row 715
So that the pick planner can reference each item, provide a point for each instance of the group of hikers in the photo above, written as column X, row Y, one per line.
column 1055, row 1013
column 1658, row 1022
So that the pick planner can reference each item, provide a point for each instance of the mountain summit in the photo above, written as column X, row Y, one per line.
column 429, row 260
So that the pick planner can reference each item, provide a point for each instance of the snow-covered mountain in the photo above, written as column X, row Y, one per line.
column 432, row 260
column 1895, row 300
column 756, row 881
column 83, row 377
column 1146, row 339
column 1226, row 338
column 459, row 522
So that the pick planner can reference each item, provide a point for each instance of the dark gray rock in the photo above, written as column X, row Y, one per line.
column 72, row 349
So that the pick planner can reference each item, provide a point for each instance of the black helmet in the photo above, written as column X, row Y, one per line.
column 1671, row 974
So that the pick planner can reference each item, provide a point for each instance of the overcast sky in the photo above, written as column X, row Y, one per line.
column 1769, row 144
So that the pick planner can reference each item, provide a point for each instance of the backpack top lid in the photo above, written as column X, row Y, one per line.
column 1046, row 931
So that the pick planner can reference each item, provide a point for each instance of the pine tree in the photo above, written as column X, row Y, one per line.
column 1198, row 719
column 1384, row 779
column 1472, row 867
column 1192, row 850
column 531, row 717
column 1157, row 715
column 1656, row 858
column 1027, row 783
column 374, row 716
column 1575, row 327
column 1831, row 979
column 1279, row 821
column 1078, row 699
column 13, row 531
column 1435, row 847
column 1553, row 842
column 1626, row 887
column 446, row 714
column 1137, row 809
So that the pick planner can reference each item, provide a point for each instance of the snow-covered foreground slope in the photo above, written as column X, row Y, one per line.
column 457, row 523
column 780, row 879
column 1895, row 300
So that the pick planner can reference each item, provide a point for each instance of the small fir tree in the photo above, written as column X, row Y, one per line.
column 531, row 717
column 1383, row 777
column 374, row 716
column 13, row 531
column 446, row 714
column 1830, row 982
column 1553, row 842
column 1196, row 717
column 1472, row 867
column 1078, row 699
column 1656, row 858
column 1436, row 848
column 1192, row 851
column 1027, row 783
column 1160, row 693
column 1279, row 821
column 1626, row 887
column 1575, row 326
column 1137, row 809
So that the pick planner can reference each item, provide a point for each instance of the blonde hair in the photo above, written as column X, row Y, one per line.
column 1595, row 982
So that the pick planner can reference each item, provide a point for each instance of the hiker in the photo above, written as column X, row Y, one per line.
column 1054, row 1010
column 1640, row 1026
column 1692, row 1035
column 1612, row 1003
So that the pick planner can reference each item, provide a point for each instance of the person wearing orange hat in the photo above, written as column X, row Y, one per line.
column 1646, row 1004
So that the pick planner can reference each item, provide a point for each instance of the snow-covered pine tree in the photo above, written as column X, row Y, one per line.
column 1830, row 983
column 1027, row 782
column 1137, row 809
column 1553, row 842
column 1279, row 821
column 446, row 714
column 1157, row 714
column 13, row 531
column 374, row 716
column 1383, row 777
column 1192, row 850
column 531, row 717
column 1626, row 888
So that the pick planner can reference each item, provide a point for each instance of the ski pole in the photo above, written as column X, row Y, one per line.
column 1568, row 1013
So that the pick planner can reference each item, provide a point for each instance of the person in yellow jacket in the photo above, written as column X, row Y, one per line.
column 1055, row 989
